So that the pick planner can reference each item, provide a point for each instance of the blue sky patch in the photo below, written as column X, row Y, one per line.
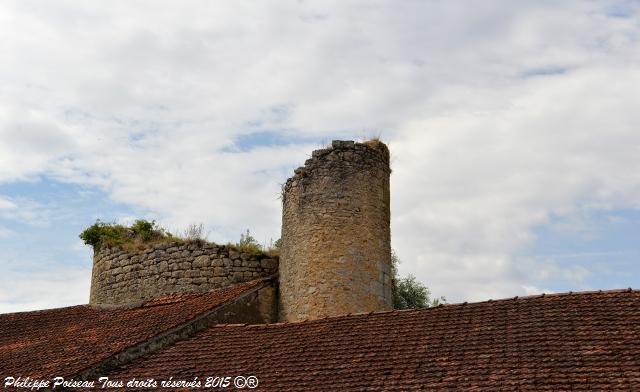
column 602, row 242
column 624, row 9
column 47, row 220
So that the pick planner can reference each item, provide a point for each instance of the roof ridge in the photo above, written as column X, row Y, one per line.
column 433, row 308
column 543, row 295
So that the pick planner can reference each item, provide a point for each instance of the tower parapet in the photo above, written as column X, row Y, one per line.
column 336, row 252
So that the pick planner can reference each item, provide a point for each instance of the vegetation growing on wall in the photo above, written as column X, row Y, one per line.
column 376, row 144
column 249, row 244
column 141, row 232
column 193, row 232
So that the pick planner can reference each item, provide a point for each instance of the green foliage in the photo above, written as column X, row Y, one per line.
column 248, row 244
column 146, row 230
column 278, row 244
column 408, row 292
column 102, row 233
column 112, row 234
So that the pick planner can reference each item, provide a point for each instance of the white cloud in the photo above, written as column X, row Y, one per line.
column 25, row 210
column 6, row 204
column 25, row 290
column 497, row 115
column 561, row 146
column 35, row 280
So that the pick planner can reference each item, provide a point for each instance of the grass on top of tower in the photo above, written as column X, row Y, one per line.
column 139, row 234
column 143, row 233
column 376, row 144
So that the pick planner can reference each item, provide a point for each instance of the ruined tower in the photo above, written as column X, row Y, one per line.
column 336, row 253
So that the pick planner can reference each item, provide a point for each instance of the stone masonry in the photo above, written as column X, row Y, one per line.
column 126, row 277
column 336, row 251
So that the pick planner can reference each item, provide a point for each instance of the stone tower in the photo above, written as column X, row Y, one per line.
column 336, row 252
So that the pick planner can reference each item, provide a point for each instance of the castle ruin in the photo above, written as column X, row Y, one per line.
column 335, row 254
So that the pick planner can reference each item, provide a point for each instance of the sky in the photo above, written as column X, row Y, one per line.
column 513, row 127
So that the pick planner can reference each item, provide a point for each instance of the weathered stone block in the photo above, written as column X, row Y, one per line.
column 237, row 276
column 253, row 263
column 201, row 262
column 269, row 263
column 216, row 263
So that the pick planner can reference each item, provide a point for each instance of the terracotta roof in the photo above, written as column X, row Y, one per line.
column 65, row 341
column 582, row 341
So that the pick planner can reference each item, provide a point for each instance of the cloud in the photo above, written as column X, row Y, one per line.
column 26, row 211
column 6, row 204
column 487, row 179
column 498, row 117
column 37, row 280
column 48, row 288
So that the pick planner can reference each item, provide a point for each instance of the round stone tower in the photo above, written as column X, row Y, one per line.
column 336, row 251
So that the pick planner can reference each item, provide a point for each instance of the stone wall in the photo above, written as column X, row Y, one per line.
column 124, row 277
column 336, row 251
